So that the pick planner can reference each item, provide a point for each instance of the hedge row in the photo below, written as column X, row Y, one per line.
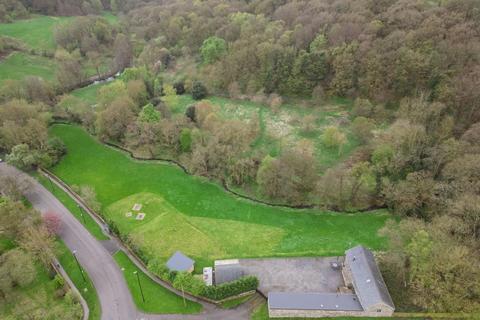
column 194, row 285
column 231, row 289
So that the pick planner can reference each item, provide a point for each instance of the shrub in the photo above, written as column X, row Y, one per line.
column 149, row 114
column 161, row 270
column 230, row 289
column 199, row 91
column 179, row 87
column 190, row 113
column 187, row 282
column 362, row 127
column 59, row 281
column 332, row 137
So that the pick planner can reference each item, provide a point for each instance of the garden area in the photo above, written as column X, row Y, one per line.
column 199, row 218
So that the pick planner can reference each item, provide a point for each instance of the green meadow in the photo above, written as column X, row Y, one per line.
column 198, row 217
column 19, row 65
column 36, row 32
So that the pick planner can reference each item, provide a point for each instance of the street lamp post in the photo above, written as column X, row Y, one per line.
column 78, row 264
column 140, row 285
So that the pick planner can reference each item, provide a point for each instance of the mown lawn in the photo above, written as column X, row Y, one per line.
column 198, row 217
column 86, row 288
column 19, row 65
column 157, row 298
column 36, row 32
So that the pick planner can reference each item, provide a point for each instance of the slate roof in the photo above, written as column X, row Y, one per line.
column 227, row 273
column 367, row 279
column 180, row 262
column 314, row 301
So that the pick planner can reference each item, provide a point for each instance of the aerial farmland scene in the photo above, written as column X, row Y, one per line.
column 239, row 159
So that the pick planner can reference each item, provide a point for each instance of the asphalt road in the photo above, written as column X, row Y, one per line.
column 115, row 298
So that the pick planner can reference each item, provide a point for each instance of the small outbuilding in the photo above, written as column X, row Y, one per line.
column 180, row 262
column 227, row 271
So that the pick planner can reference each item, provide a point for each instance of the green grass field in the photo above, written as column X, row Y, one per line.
column 36, row 32
column 197, row 217
column 157, row 298
column 86, row 288
column 88, row 94
column 19, row 65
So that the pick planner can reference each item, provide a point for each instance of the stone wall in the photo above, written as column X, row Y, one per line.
column 285, row 313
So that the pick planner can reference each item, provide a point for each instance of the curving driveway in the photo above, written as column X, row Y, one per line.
column 115, row 298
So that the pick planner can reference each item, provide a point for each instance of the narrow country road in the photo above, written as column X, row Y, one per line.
column 115, row 298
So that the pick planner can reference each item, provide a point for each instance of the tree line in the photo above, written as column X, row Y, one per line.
column 28, row 248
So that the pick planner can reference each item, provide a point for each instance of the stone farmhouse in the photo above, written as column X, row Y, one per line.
column 364, row 293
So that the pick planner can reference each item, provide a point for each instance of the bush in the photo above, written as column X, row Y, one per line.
column 362, row 128
column 187, row 282
column 231, row 289
column 161, row 270
column 56, row 149
column 332, row 137
column 190, row 113
column 59, row 281
column 179, row 87
column 199, row 91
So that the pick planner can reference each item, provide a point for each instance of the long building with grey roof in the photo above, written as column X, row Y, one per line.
column 364, row 294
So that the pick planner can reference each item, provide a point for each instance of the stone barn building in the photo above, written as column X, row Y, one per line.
column 364, row 293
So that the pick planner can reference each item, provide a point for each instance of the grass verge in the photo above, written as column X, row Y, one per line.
column 84, row 218
column 86, row 288
column 157, row 298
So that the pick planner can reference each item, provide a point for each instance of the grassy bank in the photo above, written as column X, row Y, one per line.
column 84, row 218
column 86, row 288
column 198, row 217
column 157, row 298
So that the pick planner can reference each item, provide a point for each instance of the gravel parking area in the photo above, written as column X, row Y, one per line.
column 295, row 274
